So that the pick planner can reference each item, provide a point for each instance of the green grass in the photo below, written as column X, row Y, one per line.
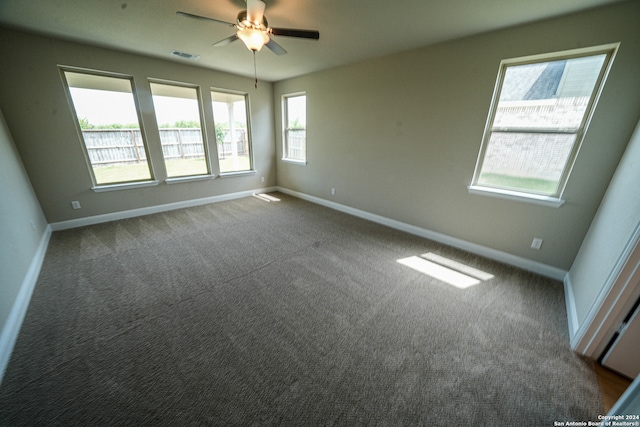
column 226, row 165
column 186, row 167
column 535, row 185
column 121, row 173
column 175, row 168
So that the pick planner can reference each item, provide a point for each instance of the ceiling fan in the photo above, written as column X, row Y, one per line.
column 253, row 29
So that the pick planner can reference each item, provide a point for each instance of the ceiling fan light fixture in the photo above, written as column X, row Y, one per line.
column 253, row 38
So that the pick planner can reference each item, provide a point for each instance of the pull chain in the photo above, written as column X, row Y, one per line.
column 255, row 73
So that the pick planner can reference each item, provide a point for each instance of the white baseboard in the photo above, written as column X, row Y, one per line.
column 516, row 261
column 572, row 314
column 525, row 264
column 132, row 213
column 11, row 328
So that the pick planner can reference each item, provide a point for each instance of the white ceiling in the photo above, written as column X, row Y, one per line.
column 350, row 30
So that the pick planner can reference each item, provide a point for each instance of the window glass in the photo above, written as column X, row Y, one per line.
column 232, row 131
column 537, row 124
column 108, row 119
column 177, row 112
column 295, row 127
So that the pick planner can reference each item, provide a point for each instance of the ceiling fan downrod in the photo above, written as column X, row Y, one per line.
column 255, row 73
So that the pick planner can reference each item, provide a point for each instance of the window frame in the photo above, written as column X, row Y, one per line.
column 555, row 199
column 207, row 154
column 102, row 187
column 247, row 105
column 286, row 129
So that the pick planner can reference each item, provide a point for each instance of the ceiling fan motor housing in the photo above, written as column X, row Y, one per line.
column 242, row 22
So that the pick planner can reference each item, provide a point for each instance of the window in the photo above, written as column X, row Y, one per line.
column 178, row 116
column 295, row 127
column 541, row 109
column 230, row 114
column 106, row 112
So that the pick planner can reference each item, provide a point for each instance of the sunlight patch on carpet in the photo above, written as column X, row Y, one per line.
column 462, row 268
column 437, row 271
column 266, row 197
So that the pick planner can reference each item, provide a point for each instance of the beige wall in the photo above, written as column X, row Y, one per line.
column 39, row 116
column 399, row 136
column 22, row 225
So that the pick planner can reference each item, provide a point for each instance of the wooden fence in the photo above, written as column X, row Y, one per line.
column 108, row 147
column 296, row 143
column 113, row 146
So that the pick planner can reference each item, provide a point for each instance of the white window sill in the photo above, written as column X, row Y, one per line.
column 516, row 196
column 239, row 173
column 182, row 179
column 124, row 186
column 294, row 161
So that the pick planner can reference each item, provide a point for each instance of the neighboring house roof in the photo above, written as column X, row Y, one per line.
column 555, row 79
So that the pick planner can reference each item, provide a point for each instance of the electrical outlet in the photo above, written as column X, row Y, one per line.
column 262, row 179
column 75, row 204
column 536, row 243
column 333, row 191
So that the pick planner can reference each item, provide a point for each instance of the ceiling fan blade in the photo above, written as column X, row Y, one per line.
column 290, row 32
column 255, row 10
column 204, row 18
column 275, row 47
column 226, row 41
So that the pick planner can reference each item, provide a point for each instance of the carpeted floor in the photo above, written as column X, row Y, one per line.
column 251, row 312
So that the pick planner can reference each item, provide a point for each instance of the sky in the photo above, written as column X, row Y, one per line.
column 297, row 109
column 101, row 107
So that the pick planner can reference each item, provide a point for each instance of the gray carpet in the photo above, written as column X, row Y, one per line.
column 250, row 312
